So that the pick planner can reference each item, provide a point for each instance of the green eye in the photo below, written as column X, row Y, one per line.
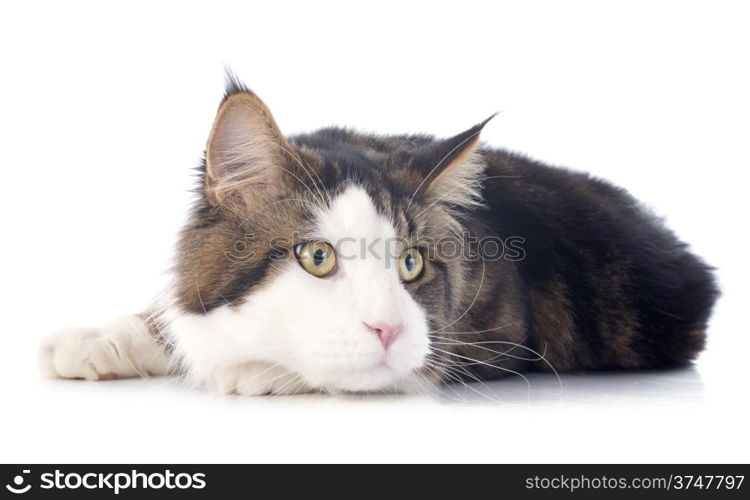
column 410, row 265
column 316, row 257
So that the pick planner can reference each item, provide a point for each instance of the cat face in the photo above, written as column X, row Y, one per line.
column 357, row 327
column 321, row 253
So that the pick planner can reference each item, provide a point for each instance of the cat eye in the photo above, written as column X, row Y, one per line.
column 410, row 265
column 316, row 257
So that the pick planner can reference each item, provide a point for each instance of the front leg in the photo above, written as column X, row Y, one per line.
column 126, row 347
column 253, row 378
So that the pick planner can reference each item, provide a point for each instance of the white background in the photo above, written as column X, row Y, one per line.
column 105, row 110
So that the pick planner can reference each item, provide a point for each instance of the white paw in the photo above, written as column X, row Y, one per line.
column 257, row 379
column 78, row 353
column 124, row 348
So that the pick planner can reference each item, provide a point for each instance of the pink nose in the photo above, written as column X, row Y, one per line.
column 386, row 332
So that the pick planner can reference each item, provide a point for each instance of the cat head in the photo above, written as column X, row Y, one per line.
column 333, row 254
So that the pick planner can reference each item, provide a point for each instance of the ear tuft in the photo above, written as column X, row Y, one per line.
column 460, row 184
column 233, row 84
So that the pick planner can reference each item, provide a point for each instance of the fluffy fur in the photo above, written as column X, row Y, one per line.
column 579, row 276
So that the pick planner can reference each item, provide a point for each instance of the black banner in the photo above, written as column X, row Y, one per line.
column 459, row 481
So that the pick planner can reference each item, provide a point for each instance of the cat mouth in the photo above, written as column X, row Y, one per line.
column 373, row 376
column 381, row 365
column 376, row 366
column 384, row 363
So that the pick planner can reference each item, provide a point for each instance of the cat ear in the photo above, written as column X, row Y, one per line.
column 452, row 168
column 245, row 146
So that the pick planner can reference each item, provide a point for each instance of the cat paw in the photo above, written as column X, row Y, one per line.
column 257, row 379
column 78, row 353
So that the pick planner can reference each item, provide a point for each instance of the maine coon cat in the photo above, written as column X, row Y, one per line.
column 340, row 261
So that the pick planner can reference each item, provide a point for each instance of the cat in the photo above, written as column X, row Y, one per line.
column 337, row 261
